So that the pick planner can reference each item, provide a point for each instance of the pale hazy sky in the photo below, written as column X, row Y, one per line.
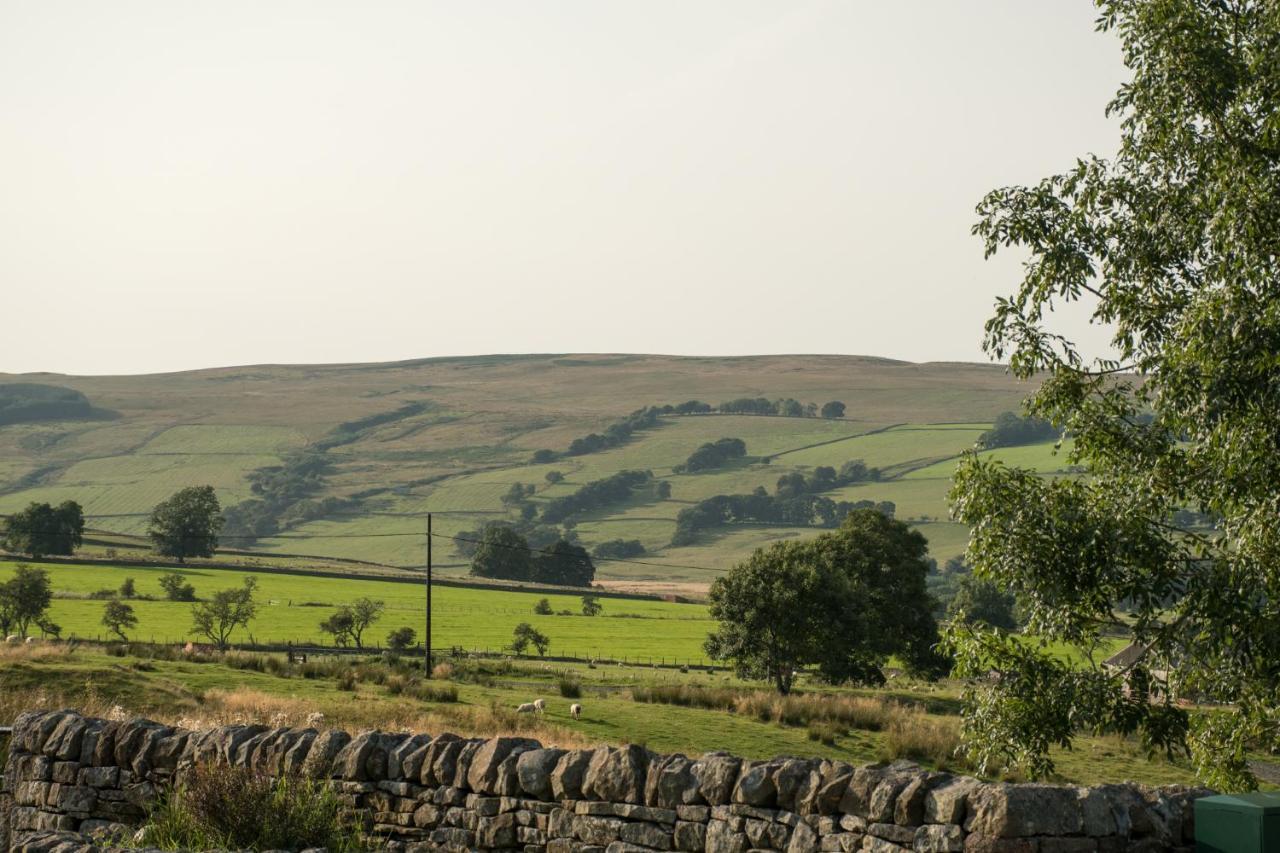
column 191, row 184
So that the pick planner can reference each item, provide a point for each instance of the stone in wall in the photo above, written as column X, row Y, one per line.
column 71, row 783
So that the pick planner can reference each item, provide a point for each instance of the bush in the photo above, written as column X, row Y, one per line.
column 570, row 688
column 234, row 808
column 401, row 639
column 176, row 588
column 442, row 671
column 825, row 732
column 543, row 607
column 396, row 684
column 432, row 692
column 347, row 681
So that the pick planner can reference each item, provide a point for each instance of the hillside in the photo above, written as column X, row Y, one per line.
column 355, row 454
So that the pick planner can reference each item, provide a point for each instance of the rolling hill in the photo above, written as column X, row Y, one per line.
column 356, row 454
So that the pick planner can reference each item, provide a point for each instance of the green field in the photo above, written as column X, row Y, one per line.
column 291, row 608
column 476, row 423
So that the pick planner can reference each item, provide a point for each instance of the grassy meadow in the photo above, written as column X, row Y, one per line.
column 469, row 434
column 477, row 697
column 291, row 608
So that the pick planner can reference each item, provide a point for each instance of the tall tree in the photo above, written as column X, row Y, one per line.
column 502, row 553
column 226, row 610
column 843, row 602
column 980, row 602
column 42, row 529
column 1171, row 243
column 834, row 409
column 186, row 524
column 24, row 600
column 565, row 564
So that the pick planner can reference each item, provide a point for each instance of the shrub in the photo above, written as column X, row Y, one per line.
column 570, row 688
column 442, row 671
column 433, row 692
column 543, row 607
column 347, row 680
column 237, row 809
column 396, row 684
column 401, row 639
column 825, row 732
column 176, row 588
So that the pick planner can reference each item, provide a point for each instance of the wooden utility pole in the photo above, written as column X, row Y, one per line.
column 427, row 640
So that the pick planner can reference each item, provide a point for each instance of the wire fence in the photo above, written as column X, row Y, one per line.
column 310, row 648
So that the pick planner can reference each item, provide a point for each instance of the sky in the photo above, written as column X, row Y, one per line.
column 189, row 184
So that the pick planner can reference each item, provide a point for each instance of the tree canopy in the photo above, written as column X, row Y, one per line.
column 713, row 454
column 502, row 553
column 226, row 610
column 1172, row 245
column 526, row 635
column 42, row 529
column 118, row 617
column 980, row 602
column 843, row 602
column 1010, row 430
column 348, row 622
column 24, row 600
column 564, row 564
column 186, row 524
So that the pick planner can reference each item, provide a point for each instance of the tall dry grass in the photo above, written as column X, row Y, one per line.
column 41, row 652
column 243, row 705
column 915, row 735
column 857, row 712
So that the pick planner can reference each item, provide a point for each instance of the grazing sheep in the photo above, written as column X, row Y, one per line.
column 541, row 705
column 527, row 708
column 13, row 638
column 30, row 640
column 575, row 711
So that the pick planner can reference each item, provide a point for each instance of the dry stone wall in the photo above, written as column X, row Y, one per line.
column 70, row 778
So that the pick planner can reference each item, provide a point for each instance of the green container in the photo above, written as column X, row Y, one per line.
column 1238, row 823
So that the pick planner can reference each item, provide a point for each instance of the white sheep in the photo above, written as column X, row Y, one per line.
column 527, row 708
column 575, row 711
column 30, row 640
column 541, row 705
column 13, row 638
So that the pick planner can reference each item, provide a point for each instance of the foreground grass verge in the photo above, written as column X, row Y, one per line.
column 478, row 699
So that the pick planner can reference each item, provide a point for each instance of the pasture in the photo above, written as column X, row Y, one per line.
column 469, row 434
column 291, row 608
